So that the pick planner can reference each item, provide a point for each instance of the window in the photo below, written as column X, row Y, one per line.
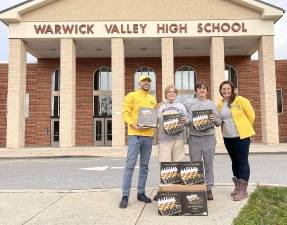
column 231, row 75
column 185, row 79
column 102, row 92
column 279, row 100
column 55, row 98
column 149, row 71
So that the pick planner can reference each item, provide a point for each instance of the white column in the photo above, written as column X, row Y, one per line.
column 268, row 98
column 67, row 93
column 217, row 67
column 167, row 60
column 16, row 94
column 118, row 91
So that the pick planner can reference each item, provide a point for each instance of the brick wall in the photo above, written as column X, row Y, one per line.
column 281, row 83
column 248, row 87
column 38, row 125
column 3, row 97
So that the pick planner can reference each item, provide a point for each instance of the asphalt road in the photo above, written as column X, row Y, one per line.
column 103, row 172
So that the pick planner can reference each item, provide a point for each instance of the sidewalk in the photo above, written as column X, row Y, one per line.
column 100, row 207
column 43, row 152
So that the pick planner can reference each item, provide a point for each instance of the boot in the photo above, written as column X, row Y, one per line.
column 242, row 194
column 236, row 186
column 156, row 197
column 209, row 195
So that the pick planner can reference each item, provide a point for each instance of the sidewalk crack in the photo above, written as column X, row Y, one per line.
column 38, row 213
column 143, row 209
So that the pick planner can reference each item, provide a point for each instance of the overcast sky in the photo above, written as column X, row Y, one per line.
column 280, row 31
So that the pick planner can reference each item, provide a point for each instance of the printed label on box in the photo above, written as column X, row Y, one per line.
column 200, row 119
column 169, row 173
column 192, row 172
column 169, row 203
column 194, row 203
column 172, row 123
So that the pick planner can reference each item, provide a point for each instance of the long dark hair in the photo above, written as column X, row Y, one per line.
column 232, row 96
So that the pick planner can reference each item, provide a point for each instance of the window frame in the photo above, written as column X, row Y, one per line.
column 182, row 91
column 281, row 97
column 55, row 93
column 150, row 69
column 102, row 92
column 236, row 86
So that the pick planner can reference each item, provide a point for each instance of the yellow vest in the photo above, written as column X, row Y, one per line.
column 133, row 101
column 243, row 116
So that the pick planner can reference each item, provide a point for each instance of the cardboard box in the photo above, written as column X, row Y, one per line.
column 147, row 117
column 194, row 203
column 182, row 188
column 172, row 124
column 193, row 198
column 169, row 204
column 192, row 172
column 169, row 173
column 200, row 119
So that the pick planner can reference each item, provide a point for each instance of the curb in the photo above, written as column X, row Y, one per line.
column 119, row 189
column 100, row 156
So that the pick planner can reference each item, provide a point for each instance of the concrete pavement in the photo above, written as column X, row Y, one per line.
column 100, row 206
column 91, row 207
column 44, row 152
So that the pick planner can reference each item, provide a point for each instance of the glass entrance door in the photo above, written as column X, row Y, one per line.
column 102, row 99
column 103, row 131
column 55, row 128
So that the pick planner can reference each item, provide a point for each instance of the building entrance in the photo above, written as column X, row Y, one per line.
column 102, row 101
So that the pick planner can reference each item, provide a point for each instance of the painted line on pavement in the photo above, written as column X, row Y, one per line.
column 98, row 168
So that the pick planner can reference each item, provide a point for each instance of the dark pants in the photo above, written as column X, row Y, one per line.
column 238, row 150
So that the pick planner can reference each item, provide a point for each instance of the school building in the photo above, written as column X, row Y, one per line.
column 91, row 53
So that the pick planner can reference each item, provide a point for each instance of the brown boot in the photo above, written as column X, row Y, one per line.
column 209, row 195
column 242, row 194
column 236, row 186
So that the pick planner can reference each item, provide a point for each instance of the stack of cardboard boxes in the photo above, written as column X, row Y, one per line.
column 182, row 190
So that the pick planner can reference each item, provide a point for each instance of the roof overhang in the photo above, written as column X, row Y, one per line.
column 13, row 14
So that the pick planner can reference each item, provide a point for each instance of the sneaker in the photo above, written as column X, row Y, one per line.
column 142, row 197
column 156, row 197
column 209, row 195
column 124, row 202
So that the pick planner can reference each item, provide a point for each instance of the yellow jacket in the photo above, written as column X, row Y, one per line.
column 133, row 101
column 243, row 116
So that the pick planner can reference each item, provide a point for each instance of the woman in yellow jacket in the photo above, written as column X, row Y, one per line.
column 237, row 127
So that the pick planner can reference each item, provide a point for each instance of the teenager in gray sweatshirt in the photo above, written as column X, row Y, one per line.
column 202, row 139
column 171, row 144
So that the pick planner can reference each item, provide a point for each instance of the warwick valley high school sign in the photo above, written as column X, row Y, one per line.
column 140, row 29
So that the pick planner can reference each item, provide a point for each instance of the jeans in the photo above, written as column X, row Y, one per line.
column 137, row 145
column 203, row 147
column 238, row 150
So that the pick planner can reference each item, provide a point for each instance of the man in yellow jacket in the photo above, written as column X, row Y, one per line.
column 139, row 140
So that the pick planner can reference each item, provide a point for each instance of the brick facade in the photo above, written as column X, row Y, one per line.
column 281, row 83
column 39, row 87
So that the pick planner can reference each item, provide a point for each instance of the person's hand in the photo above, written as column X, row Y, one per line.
column 159, row 105
column 141, row 127
column 184, row 120
column 211, row 117
column 134, row 126
column 138, row 127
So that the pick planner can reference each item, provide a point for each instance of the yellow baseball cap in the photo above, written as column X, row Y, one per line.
column 144, row 77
